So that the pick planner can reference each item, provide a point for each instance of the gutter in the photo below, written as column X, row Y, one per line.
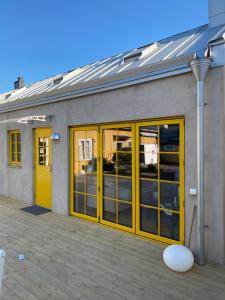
column 98, row 88
column 200, row 68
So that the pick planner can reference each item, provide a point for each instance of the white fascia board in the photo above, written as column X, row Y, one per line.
column 116, row 84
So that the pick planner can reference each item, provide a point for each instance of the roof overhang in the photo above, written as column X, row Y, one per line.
column 27, row 119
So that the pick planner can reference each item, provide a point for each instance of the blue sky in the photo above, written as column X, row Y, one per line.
column 45, row 37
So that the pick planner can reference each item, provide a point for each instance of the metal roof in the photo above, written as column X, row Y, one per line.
column 178, row 46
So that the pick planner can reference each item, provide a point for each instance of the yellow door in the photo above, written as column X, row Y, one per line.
column 43, row 168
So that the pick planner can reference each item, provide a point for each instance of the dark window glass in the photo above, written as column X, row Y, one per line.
column 149, row 220
column 169, row 138
column 79, row 183
column 125, row 214
column 124, row 139
column 169, row 225
column 124, row 189
column 91, row 184
column 169, row 167
column 169, row 194
column 91, row 206
column 79, row 202
column 109, row 186
column 149, row 192
column 109, row 210
column 124, row 163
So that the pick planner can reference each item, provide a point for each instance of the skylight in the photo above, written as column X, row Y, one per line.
column 133, row 56
column 58, row 80
column 7, row 96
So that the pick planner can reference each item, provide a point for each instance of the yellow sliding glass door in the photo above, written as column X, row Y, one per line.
column 160, row 180
column 131, row 176
column 84, row 172
column 117, row 185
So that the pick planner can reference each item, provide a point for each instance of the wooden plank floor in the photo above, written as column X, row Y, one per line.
column 68, row 258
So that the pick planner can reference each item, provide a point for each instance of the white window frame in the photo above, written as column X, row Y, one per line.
column 85, row 149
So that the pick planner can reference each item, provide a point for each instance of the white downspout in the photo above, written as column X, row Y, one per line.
column 200, row 68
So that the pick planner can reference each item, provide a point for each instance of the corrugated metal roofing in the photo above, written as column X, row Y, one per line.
column 180, row 45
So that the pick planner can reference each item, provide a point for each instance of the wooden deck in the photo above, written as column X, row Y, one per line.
column 68, row 258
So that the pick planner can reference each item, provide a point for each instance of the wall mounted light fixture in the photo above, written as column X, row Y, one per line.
column 55, row 137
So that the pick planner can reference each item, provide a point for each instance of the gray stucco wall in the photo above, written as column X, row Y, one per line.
column 170, row 97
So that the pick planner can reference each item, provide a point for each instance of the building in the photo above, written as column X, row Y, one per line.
column 120, row 141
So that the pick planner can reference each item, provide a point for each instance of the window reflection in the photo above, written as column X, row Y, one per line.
column 149, row 192
column 169, row 225
column 85, row 171
column 109, row 210
column 117, row 178
column 157, row 172
column 149, row 220
column 125, row 214
column 169, row 196
column 169, row 167
column 149, row 152
column 124, row 139
column 169, row 138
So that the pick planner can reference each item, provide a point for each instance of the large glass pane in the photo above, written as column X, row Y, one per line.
column 109, row 151
column 169, row 225
column 149, row 192
column 148, row 136
column 91, row 184
column 169, row 196
column 109, row 210
column 91, row 206
column 125, row 214
column 109, row 186
column 147, row 169
column 169, row 167
column 85, row 171
column 169, row 138
column 124, row 139
column 79, row 200
column 79, row 182
column 149, row 220
column 125, row 189
column 124, row 164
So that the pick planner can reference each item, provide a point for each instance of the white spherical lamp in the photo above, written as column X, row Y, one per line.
column 178, row 258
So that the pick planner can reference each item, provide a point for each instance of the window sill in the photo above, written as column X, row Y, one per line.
column 14, row 166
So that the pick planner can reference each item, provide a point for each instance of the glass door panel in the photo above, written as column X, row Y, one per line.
column 117, row 165
column 85, row 165
column 134, row 181
column 160, row 180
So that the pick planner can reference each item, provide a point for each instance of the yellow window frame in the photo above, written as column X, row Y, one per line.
column 160, row 238
column 102, row 221
column 135, row 125
column 72, row 208
column 17, row 161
